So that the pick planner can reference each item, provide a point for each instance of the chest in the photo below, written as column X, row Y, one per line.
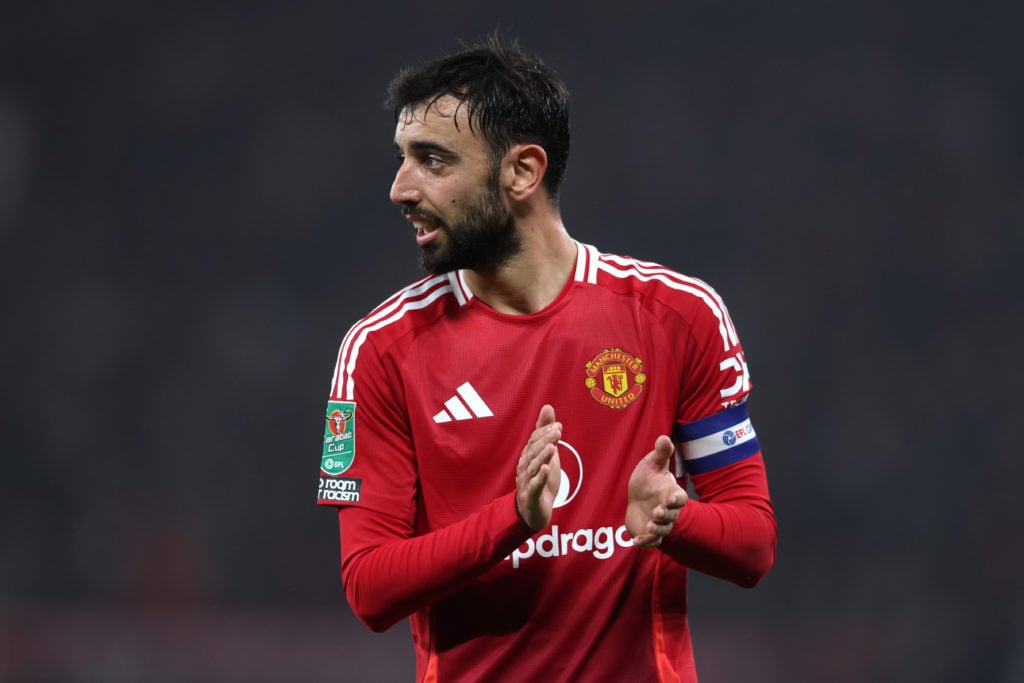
column 475, row 385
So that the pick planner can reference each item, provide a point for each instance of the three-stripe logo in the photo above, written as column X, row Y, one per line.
column 464, row 405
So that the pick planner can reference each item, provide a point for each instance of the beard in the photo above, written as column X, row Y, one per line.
column 483, row 237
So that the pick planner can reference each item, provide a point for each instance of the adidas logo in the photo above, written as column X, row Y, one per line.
column 465, row 405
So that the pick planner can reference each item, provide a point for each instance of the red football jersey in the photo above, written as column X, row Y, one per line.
column 434, row 396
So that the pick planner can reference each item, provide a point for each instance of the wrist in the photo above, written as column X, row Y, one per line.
column 519, row 514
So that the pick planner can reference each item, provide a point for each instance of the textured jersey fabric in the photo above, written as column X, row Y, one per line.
column 437, row 394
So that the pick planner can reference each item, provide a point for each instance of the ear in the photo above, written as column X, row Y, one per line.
column 524, row 168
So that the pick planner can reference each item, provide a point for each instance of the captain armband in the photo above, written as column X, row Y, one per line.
column 716, row 441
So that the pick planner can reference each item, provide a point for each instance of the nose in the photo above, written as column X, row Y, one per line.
column 403, row 189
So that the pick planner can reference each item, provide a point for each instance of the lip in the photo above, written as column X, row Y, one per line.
column 424, row 236
column 426, row 229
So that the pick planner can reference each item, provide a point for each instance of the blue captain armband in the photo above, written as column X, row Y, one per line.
column 716, row 441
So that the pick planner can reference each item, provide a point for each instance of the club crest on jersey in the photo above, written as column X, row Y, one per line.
column 615, row 378
column 339, row 437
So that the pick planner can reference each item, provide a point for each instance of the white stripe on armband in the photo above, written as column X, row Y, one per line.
column 717, row 441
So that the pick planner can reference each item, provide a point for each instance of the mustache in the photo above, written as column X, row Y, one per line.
column 410, row 211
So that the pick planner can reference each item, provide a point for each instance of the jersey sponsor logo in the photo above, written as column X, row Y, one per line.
column 572, row 471
column 600, row 542
column 339, row 438
column 340, row 489
column 615, row 378
column 466, row 404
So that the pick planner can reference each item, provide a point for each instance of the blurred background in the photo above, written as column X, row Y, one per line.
column 193, row 210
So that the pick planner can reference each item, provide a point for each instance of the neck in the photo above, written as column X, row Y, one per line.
column 534, row 277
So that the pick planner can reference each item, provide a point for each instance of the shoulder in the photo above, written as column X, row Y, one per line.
column 414, row 307
column 421, row 300
column 649, row 277
column 662, row 288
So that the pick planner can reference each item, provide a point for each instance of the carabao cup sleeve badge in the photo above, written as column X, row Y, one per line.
column 339, row 438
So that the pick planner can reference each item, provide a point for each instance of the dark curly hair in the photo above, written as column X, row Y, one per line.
column 511, row 97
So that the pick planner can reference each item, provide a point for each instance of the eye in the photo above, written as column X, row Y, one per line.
column 433, row 161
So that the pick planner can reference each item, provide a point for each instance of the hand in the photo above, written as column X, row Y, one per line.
column 539, row 472
column 655, row 496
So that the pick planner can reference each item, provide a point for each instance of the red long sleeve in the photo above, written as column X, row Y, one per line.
column 388, row 573
column 730, row 533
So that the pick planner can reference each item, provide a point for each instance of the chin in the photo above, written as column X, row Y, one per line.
column 433, row 261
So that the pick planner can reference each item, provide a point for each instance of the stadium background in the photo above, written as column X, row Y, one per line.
column 193, row 208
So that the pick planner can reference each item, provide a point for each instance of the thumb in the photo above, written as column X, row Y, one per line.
column 546, row 417
column 663, row 450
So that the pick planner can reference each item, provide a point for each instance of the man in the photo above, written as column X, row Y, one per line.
column 487, row 425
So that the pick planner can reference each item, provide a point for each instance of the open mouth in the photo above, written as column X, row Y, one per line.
column 426, row 231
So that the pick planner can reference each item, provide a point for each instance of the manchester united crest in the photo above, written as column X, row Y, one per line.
column 615, row 378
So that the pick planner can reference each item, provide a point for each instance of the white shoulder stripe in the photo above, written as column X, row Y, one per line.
column 350, row 366
column 650, row 268
column 674, row 281
column 402, row 301
column 593, row 257
column 467, row 293
column 457, row 290
column 581, row 262
column 586, row 263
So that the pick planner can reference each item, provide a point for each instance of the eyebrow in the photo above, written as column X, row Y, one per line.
column 429, row 146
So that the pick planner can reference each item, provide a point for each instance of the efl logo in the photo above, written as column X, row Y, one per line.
column 731, row 436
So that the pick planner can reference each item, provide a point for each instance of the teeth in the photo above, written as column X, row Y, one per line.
column 419, row 225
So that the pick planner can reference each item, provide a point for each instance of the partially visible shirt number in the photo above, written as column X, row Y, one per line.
column 738, row 365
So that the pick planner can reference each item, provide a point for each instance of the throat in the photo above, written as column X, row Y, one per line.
column 519, row 292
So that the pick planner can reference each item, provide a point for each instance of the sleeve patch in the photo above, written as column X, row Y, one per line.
column 339, row 438
column 338, row 454
column 716, row 441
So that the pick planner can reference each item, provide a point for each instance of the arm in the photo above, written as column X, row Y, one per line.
column 730, row 533
column 389, row 573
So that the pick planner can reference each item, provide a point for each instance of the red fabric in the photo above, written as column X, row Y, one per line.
column 445, row 392
column 388, row 574
column 730, row 533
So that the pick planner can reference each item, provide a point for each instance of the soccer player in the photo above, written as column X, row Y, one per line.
column 508, row 440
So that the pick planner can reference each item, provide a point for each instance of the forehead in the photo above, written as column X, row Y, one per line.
column 446, row 118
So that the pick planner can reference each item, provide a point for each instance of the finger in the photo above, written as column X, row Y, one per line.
column 535, row 486
column 545, row 446
column 663, row 450
column 533, row 464
column 665, row 516
column 539, row 440
column 647, row 541
column 677, row 500
column 546, row 417
column 656, row 529
column 549, row 433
